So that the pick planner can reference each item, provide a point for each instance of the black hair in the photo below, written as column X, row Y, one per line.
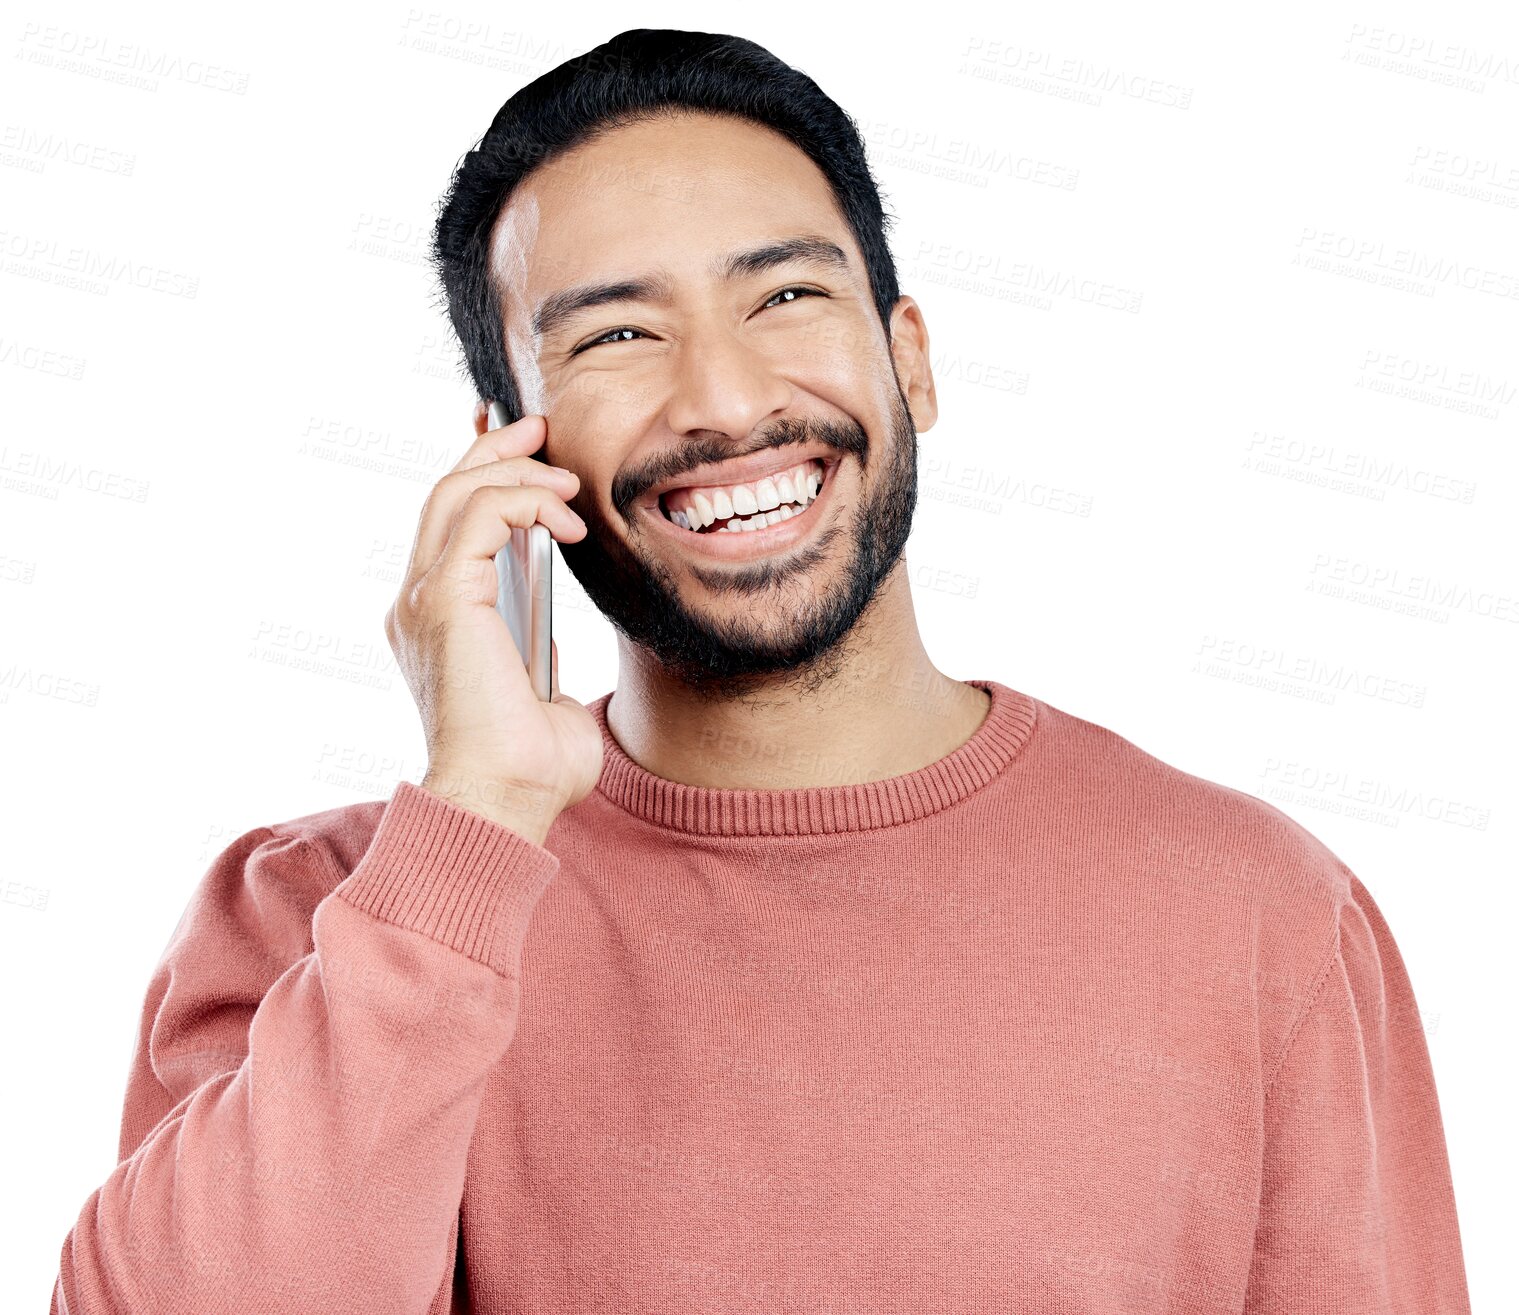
column 639, row 75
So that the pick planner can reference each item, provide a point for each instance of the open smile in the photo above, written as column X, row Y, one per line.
column 741, row 544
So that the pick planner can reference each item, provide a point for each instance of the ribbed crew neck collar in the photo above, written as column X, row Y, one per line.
column 816, row 810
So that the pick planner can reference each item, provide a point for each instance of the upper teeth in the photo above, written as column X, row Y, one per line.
column 764, row 502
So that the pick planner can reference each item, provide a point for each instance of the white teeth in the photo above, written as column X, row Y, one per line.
column 751, row 507
column 759, row 521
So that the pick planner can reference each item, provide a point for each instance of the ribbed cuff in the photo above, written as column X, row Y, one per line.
column 451, row 874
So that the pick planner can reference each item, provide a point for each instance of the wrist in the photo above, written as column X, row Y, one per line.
column 523, row 807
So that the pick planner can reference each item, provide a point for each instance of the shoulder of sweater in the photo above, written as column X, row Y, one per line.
column 342, row 833
column 250, row 914
column 1220, row 833
column 257, row 898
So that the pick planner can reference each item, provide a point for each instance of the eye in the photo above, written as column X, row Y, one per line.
column 606, row 337
column 811, row 292
column 612, row 335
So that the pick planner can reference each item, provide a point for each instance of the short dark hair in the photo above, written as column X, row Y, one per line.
column 639, row 75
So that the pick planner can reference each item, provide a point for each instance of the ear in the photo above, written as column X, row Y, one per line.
column 910, row 359
column 482, row 412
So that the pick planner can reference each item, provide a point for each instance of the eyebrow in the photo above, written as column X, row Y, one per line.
column 557, row 309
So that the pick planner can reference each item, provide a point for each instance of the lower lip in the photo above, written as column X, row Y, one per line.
column 740, row 545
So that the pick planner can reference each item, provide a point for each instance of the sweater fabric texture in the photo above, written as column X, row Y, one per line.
column 1046, row 1026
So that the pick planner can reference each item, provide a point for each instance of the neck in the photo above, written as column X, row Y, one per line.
column 872, row 708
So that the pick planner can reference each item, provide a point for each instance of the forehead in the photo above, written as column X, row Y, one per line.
column 667, row 193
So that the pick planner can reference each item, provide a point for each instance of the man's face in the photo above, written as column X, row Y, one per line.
column 690, row 395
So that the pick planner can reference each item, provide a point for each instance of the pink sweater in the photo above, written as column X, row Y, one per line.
column 1047, row 1026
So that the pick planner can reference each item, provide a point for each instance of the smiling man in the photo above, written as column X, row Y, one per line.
column 745, row 441
column 793, row 973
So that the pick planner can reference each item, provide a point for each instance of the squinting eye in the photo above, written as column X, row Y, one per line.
column 610, row 334
column 811, row 292
column 595, row 341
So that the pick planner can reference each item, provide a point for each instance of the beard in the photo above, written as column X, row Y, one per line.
column 783, row 614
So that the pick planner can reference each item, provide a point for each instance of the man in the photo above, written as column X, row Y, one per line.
column 793, row 974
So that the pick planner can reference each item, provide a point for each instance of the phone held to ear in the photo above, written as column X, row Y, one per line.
column 524, row 592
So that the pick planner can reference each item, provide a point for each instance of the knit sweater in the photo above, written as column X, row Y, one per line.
column 1046, row 1026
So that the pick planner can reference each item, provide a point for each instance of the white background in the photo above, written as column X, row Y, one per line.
column 1230, row 489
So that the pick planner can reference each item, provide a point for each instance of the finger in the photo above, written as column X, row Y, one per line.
column 484, row 527
column 453, row 490
column 553, row 670
column 518, row 439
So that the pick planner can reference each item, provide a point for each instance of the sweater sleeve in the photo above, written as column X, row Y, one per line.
column 1357, row 1213
column 305, row 1089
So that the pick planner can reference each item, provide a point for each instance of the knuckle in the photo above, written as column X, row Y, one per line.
column 420, row 597
column 494, row 474
column 435, row 500
column 476, row 502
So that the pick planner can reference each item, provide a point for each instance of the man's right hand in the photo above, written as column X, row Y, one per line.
column 493, row 746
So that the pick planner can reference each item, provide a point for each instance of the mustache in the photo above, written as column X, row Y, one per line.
column 842, row 436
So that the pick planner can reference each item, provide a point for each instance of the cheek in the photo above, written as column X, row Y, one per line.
column 833, row 356
column 850, row 385
column 598, row 421
column 626, row 396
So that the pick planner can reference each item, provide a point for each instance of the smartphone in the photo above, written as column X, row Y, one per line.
column 524, row 590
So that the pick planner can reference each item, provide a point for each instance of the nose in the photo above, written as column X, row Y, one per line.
column 723, row 385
